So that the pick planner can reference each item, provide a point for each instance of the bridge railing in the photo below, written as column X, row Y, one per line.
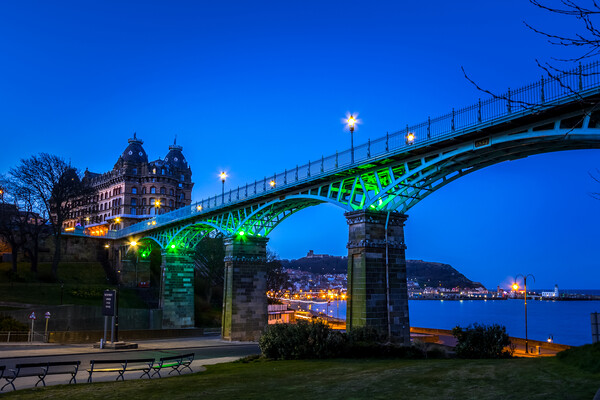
column 512, row 104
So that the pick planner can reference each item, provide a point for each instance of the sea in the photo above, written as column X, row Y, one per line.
column 566, row 322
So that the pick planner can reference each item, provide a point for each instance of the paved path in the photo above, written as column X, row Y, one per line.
column 207, row 351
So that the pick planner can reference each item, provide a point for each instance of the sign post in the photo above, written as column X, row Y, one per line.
column 32, row 318
column 108, row 310
column 47, row 317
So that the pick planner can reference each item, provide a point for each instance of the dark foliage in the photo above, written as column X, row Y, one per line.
column 11, row 324
column 482, row 341
column 316, row 340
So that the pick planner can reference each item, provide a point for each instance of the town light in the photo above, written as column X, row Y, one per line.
column 410, row 138
column 272, row 183
column 118, row 220
column 515, row 286
column 199, row 207
column 133, row 243
column 524, row 276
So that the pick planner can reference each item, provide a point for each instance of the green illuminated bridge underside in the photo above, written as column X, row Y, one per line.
column 391, row 175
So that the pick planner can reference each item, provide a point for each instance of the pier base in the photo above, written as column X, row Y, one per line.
column 244, row 298
column 377, row 290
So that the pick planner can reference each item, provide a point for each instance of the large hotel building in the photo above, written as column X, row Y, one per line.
column 134, row 190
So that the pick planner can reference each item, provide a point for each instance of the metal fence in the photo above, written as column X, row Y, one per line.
column 545, row 93
column 20, row 336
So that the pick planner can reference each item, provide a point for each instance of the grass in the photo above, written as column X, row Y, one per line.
column 545, row 378
column 82, row 284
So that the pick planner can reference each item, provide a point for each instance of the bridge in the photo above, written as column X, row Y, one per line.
column 375, row 184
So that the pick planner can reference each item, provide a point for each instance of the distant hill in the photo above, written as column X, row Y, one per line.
column 426, row 273
column 437, row 274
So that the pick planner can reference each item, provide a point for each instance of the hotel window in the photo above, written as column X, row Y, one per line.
column 134, row 202
column 171, row 192
column 152, row 190
column 163, row 190
column 134, row 190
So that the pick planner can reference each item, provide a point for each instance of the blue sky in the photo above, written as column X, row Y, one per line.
column 256, row 87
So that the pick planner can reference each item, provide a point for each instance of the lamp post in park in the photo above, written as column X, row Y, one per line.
column 515, row 286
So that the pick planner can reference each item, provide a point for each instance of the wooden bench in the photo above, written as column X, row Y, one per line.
column 176, row 363
column 121, row 366
column 42, row 370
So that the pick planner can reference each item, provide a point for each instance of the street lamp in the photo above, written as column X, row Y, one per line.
column 272, row 183
column 156, row 206
column 410, row 138
column 223, row 175
column 351, row 123
column 515, row 287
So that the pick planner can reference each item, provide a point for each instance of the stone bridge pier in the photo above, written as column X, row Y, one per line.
column 244, row 297
column 177, row 289
column 377, row 289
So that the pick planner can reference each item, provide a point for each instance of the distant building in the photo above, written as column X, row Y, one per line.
column 134, row 190
column 552, row 294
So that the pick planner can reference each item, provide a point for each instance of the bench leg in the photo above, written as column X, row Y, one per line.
column 121, row 373
column 9, row 381
column 156, row 371
column 188, row 367
column 146, row 372
column 73, row 378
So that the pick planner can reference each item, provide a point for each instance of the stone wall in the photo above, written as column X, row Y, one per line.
column 83, row 318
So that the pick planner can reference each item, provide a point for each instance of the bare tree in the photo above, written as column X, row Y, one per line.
column 53, row 187
column 277, row 279
column 562, row 70
column 27, row 220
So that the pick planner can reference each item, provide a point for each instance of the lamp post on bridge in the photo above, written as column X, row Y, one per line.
column 223, row 175
column 515, row 286
column 351, row 123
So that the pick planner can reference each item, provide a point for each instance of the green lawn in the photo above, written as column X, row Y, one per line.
column 545, row 379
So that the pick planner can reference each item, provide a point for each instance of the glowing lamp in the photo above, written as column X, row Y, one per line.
column 351, row 122
column 223, row 175
column 515, row 286
column 172, row 246
column 410, row 138
column 272, row 183
column 133, row 243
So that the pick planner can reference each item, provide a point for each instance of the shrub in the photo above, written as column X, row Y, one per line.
column 298, row 341
column 481, row 341
column 317, row 340
column 11, row 324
